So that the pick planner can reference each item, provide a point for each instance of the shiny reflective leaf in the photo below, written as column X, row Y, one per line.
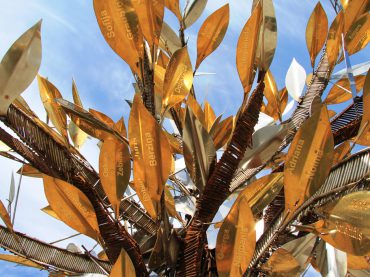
column 197, row 110
column 5, row 216
column 266, row 142
column 169, row 41
column 340, row 92
column 211, row 33
column 236, row 240
column 170, row 204
column 49, row 93
column 193, row 11
column 364, row 138
column 199, row 151
column 358, row 262
column 209, row 115
column 268, row 35
column 178, row 79
column 334, row 42
column 345, row 223
column 282, row 263
column 19, row 260
column 261, row 192
column 295, row 80
column 316, row 32
column 151, row 154
column 119, row 25
column 114, row 169
column 150, row 14
column 357, row 69
column 19, row 66
column 340, row 152
column 71, row 206
column 247, row 48
column 222, row 132
column 123, row 266
column 11, row 189
column 271, row 93
column 309, row 160
column 102, row 117
column 48, row 210
column 174, row 6
column 358, row 35
column 353, row 10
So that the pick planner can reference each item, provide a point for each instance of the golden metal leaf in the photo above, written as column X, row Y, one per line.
column 193, row 11
column 123, row 266
column 114, row 170
column 169, row 41
column 29, row 171
column 151, row 154
column 271, row 93
column 358, row 262
column 247, row 48
column 5, row 216
column 197, row 110
column 345, row 223
column 120, row 27
column 71, row 206
column 334, row 42
column 162, row 60
column 20, row 261
column 174, row 6
column 48, row 210
column 211, row 33
column 268, row 35
column 236, row 240
column 364, row 138
column 178, row 79
column 283, row 99
column 77, row 135
column 49, row 93
column 340, row 152
column 316, row 32
column 331, row 113
column 353, row 10
column 358, row 35
column 175, row 144
column 261, row 192
column 282, row 263
column 340, row 92
column 150, row 14
column 102, row 117
column 19, row 66
column 170, row 204
column 209, row 115
column 309, row 159
column 199, row 151
column 266, row 142
column 222, row 132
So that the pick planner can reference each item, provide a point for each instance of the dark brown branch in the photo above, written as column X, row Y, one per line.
column 217, row 188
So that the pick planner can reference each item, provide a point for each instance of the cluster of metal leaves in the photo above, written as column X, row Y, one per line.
column 135, row 30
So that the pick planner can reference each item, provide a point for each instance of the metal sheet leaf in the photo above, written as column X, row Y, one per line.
column 169, row 41
column 236, row 240
column 71, row 206
column 120, row 27
column 114, row 170
column 345, row 223
column 334, row 42
column 11, row 189
column 123, row 266
column 150, row 14
column 364, row 138
column 211, row 33
column 268, row 35
column 199, row 151
column 102, row 117
column 358, row 35
column 295, row 80
column 340, row 92
column 193, row 11
column 340, row 152
column 197, row 110
column 309, row 159
column 357, row 262
column 221, row 133
column 266, row 142
column 19, row 66
column 19, row 260
column 209, row 115
column 48, row 210
column 316, row 32
column 151, row 154
column 247, row 48
column 271, row 93
column 282, row 263
column 174, row 6
column 5, row 216
column 353, row 10
column 48, row 94
column 261, row 192
column 357, row 69
column 178, row 79
column 77, row 135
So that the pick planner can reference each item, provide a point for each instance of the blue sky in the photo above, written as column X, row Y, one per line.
column 73, row 47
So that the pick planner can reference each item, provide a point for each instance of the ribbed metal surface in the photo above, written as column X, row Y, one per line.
column 352, row 170
column 50, row 256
